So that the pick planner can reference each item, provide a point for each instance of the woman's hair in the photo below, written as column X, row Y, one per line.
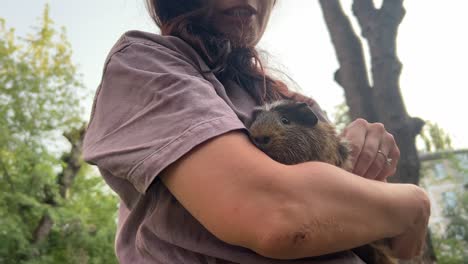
column 188, row 20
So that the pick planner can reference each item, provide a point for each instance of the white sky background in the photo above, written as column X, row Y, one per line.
column 432, row 45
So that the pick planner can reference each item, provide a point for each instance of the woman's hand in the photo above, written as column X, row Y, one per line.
column 374, row 152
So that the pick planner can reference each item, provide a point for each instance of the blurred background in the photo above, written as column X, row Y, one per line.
column 56, row 209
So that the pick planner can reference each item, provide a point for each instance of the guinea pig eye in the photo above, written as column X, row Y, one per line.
column 285, row 121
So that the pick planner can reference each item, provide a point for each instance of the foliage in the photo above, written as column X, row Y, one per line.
column 434, row 138
column 39, row 87
column 341, row 116
column 452, row 247
column 451, row 244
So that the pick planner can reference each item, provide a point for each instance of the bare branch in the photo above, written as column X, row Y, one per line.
column 380, row 28
column 394, row 10
column 352, row 74
column 365, row 12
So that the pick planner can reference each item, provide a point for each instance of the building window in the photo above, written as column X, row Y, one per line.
column 464, row 161
column 439, row 170
column 450, row 202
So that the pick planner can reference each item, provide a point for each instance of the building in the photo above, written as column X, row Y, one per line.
column 444, row 175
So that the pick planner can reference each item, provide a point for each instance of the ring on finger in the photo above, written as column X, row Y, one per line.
column 388, row 160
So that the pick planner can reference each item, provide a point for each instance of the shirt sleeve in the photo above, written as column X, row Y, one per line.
column 151, row 108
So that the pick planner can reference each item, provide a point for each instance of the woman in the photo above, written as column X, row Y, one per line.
column 167, row 133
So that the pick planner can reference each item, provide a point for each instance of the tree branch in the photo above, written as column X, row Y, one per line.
column 380, row 28
column 393, row 10
column 365, row 12
column 352, row 74
column 72, row 160
column 43, row 229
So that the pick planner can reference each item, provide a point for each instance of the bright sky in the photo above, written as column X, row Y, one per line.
column 431, row 46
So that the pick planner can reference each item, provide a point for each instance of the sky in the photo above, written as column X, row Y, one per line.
column 431, row 46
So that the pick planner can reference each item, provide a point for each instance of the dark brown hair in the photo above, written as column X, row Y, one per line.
column 187, row 19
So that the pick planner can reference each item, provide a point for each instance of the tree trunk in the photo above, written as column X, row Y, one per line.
column 73, row 163
column 352, row 74
column 381, row 102
column 43, row 228
column 72, row 160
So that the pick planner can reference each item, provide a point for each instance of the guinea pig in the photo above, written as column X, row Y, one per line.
column 291, row 133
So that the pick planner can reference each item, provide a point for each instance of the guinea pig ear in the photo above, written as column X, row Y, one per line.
column 304, row 115
column 256, row 111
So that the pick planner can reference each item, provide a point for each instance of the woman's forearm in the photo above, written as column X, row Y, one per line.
column 289, row 212
column 323, row 209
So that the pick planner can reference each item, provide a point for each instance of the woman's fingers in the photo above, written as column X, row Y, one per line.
column 355, row 133
column 374, row 152
column 368, row 158
column 390, row 170
column 383, row 163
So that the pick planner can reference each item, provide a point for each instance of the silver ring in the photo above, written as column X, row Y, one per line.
column 387, row 159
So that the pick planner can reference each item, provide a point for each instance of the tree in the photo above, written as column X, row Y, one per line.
column 53, row 207
column 380, row 101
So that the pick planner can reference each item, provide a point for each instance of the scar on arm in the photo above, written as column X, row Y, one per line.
column 316, row 227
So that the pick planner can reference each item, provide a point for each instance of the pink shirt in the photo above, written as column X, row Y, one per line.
column 151, row 108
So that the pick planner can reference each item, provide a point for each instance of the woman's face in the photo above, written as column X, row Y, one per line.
column 242, row 21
